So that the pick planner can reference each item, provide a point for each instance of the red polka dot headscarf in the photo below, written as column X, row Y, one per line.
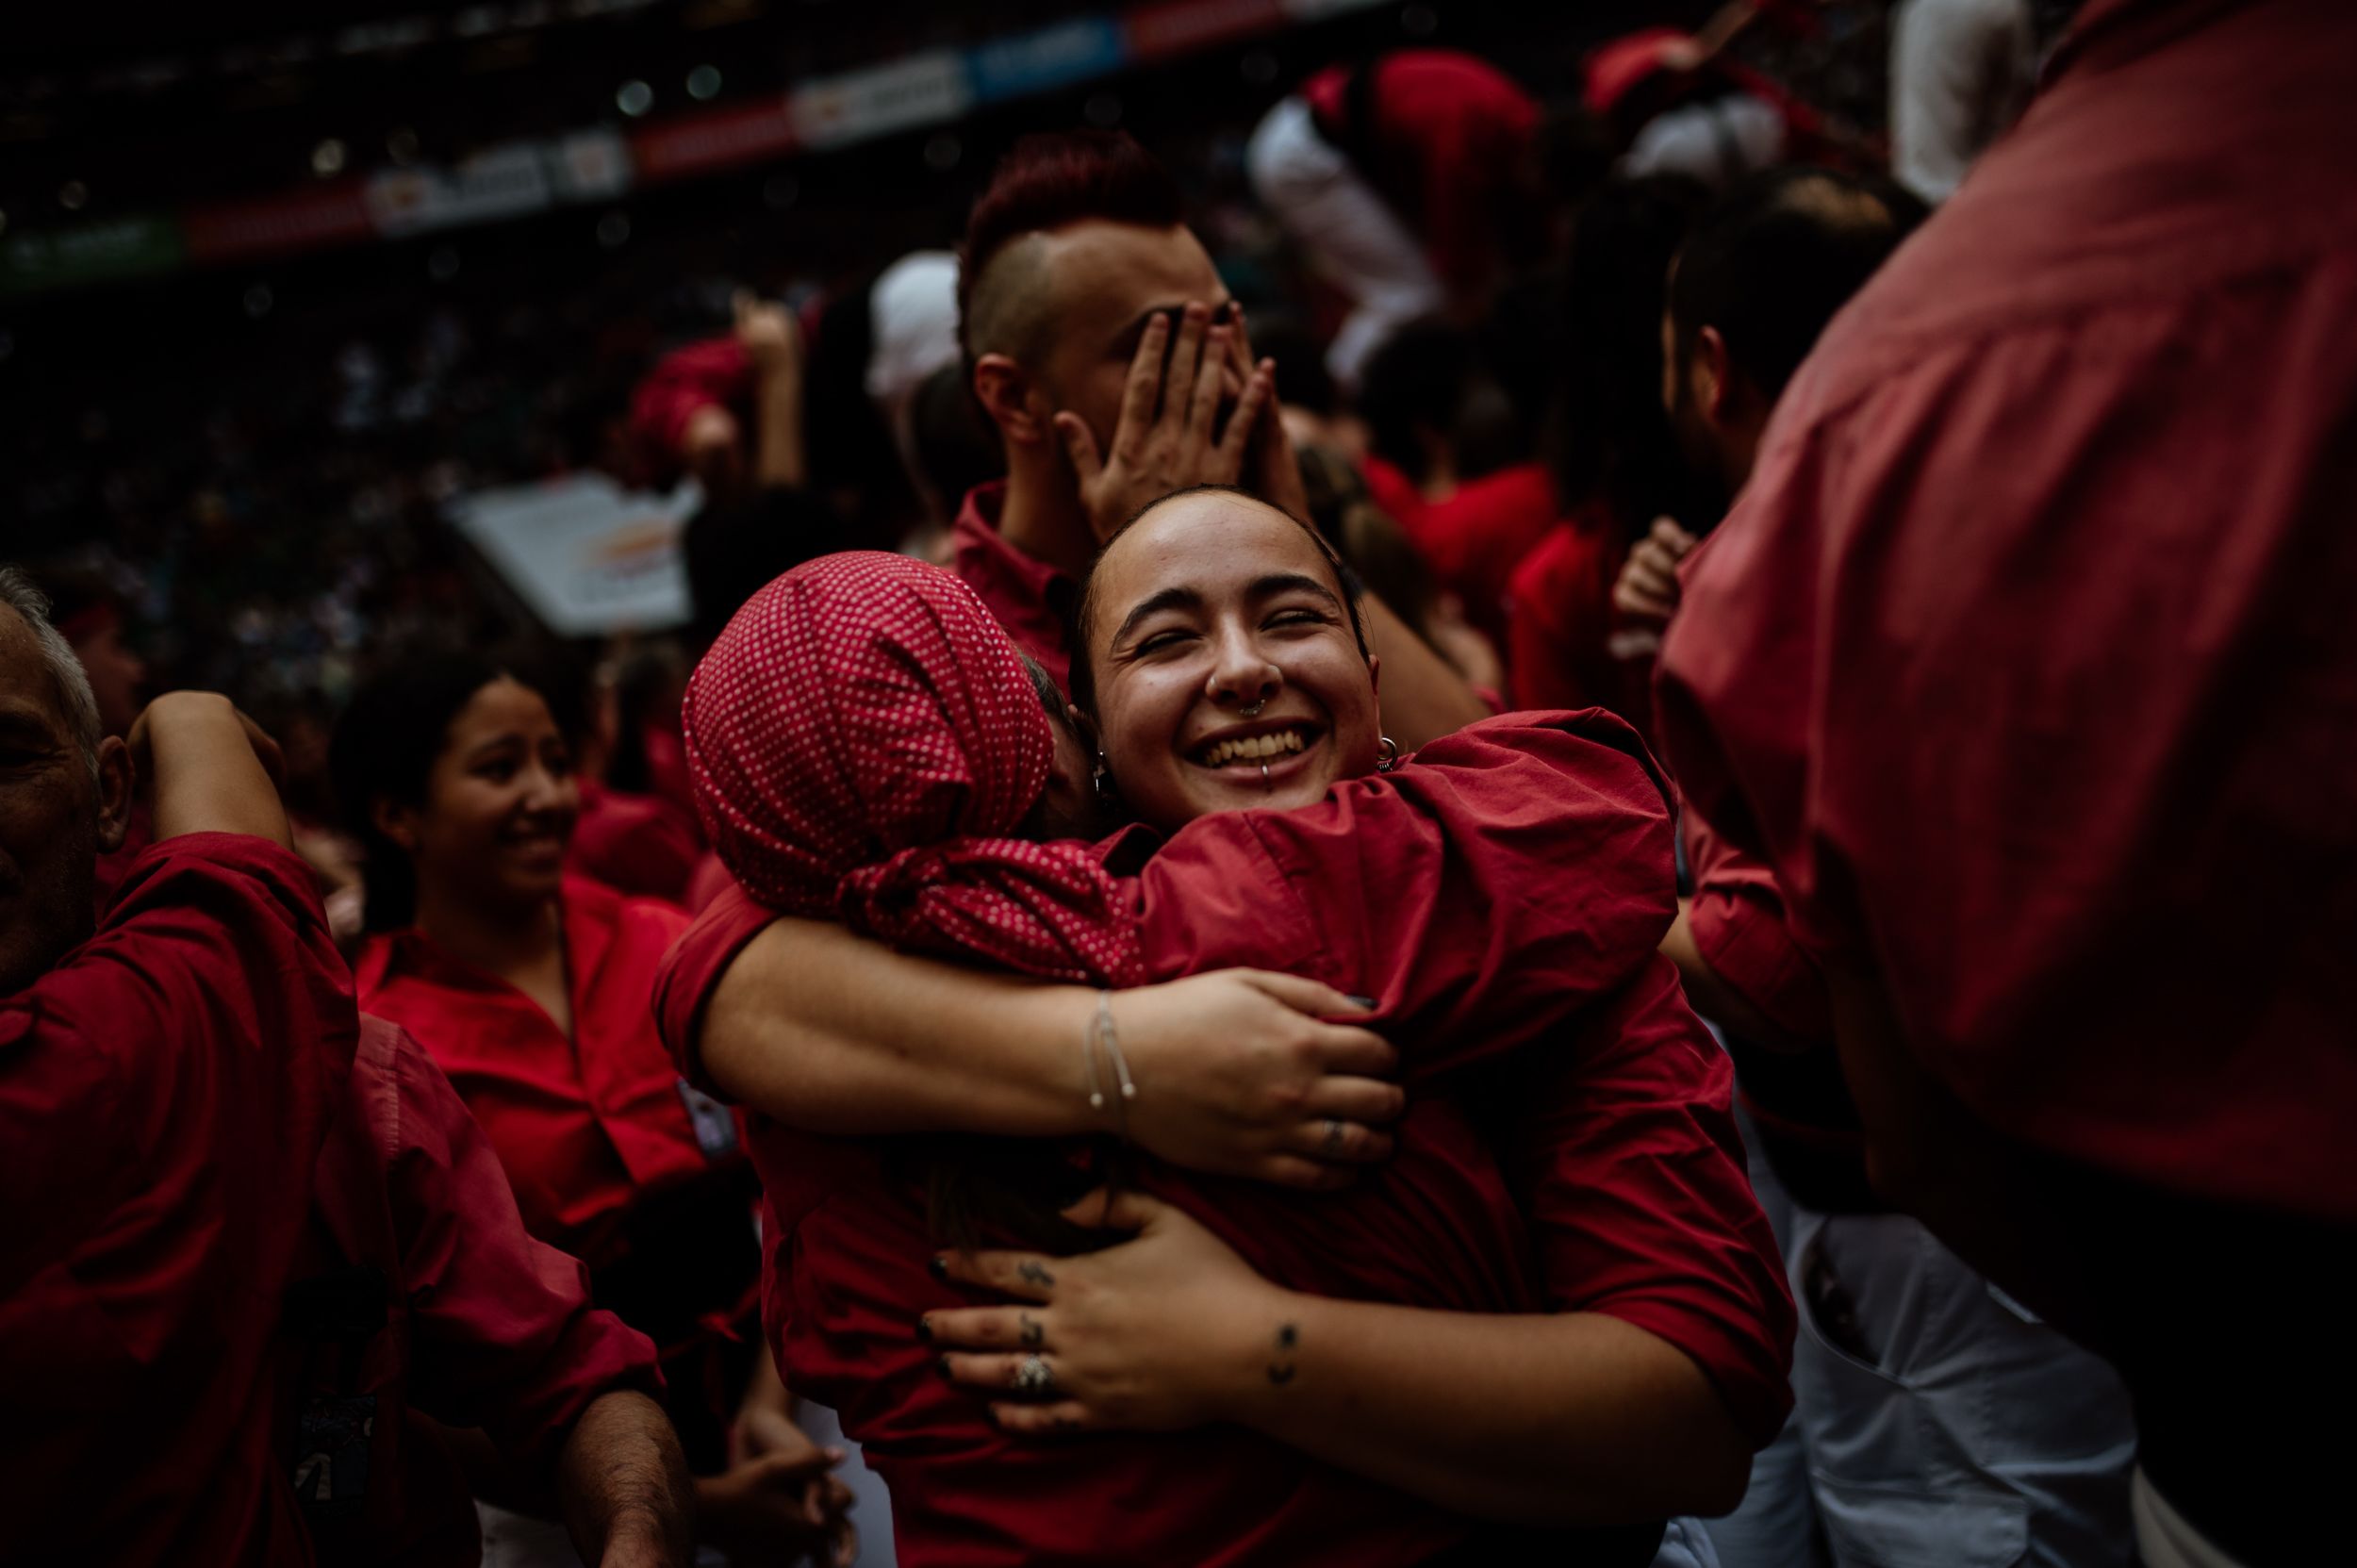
column 864, row 738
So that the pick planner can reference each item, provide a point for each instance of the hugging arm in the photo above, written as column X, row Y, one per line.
column 829, row 1032
column 1579, row 1418
column 1643, row 1396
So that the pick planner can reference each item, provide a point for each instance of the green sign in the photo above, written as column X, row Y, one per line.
column 60, row 258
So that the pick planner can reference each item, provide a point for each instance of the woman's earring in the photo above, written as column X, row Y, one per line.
column 1103, row 778
column 1386, row 753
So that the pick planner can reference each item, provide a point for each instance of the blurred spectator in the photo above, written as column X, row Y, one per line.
column 1960, row 72
column 1413, row 180
column 1451, row 460
column 1616, row 462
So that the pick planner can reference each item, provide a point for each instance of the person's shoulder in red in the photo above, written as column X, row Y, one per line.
column 636, row 844
column 1033, row 600
column 692, row 969
column 1558, row 616
column 165, row 1089
column 412, row 1208
column 1624, row 1148
column 713, row 372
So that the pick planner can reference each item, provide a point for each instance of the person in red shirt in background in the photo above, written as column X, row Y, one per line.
column 418, row 1297
column 2036, row 1436
column 1451, row 461
column 2025, row 660
column 1107, row 352
column 169, row 1085
column 1616, row 461
column 634, row 841
column 89, row 613
column 1416, row 183
column 531, row 989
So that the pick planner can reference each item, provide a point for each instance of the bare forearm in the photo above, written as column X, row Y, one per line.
column 624, row 1486
column 780, row 457
column 1422, row 696
column 206, row 775
column 825, row 1031
column 1574, row 1419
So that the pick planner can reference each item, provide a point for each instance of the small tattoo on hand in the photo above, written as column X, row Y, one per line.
column 1034, row 1334
column 1034, row 1272
column 1288, row 1340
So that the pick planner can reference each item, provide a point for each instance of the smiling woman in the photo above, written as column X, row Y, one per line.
column 530, row 988
column 1237, row 672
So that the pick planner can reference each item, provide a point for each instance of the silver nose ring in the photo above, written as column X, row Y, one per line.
column 1254, row 711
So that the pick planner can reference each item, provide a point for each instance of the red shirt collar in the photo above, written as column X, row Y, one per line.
column 1032, row 599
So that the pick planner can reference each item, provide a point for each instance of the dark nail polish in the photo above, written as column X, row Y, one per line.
column 924, row 1331
column 941, row 1365
column 939, row 1264
column 1367, row 1003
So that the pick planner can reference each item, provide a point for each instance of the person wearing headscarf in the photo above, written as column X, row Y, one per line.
column 871, row 749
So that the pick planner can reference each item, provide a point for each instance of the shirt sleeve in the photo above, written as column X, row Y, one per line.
column 1738, row 921
column 1481, row 892
column 210, row 1010
column 691, row 973
column 1632, row 1173
column 502, row 1334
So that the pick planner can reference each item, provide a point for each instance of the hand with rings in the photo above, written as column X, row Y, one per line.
column 1152, row 1334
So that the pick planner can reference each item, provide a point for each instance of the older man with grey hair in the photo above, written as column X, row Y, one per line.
column 167, row 1081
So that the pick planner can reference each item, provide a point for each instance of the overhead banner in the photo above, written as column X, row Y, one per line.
column 124, row 247
column 1069, row 52
column 922, row 90
column 716, row 138
column 316, row 218
column 586, row 556
column 501, row 182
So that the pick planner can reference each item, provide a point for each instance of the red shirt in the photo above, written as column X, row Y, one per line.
column 1474, row 539
column 582, row 1124
column 1368, row 892
column 2026, row 656
column 702, row 374
column 164, row 1095
column 1447, row 136
column 642, row 845
column 480, row 1325
column 1565, row 645
column 1738, row 921
column 1033, row 600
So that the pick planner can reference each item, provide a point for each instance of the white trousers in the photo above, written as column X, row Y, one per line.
column 1351, row 233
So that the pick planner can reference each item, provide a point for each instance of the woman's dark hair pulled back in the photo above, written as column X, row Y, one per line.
column 384, row 750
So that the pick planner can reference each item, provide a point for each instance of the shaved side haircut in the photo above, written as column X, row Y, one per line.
column 1044, row 184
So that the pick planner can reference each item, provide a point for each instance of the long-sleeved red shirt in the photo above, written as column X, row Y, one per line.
column 611, row 1156
column 164, row 1095
column 414, row 1230
column 2025, row 657
column 1501, row 896
column 1445, row 134
column 583, row 1122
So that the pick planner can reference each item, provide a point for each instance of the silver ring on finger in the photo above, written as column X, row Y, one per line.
column 1335, row 1130
column 1034, row 1378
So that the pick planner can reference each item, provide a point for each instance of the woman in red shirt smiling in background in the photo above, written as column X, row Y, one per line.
column 530, row 988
